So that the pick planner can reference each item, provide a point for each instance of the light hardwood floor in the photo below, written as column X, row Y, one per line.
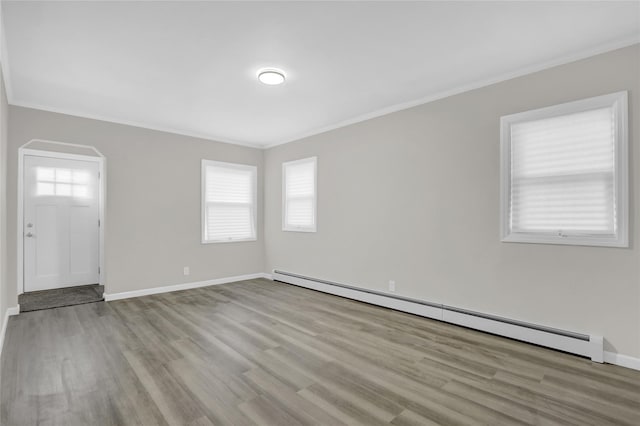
column 261, row 352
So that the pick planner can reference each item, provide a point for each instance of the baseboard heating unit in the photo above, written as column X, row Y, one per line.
column 589, row 346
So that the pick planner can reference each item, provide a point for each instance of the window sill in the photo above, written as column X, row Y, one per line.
column 577, row 240
column 299, row 229
column 228, row 241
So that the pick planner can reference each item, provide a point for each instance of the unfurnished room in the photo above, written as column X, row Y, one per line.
column 331, row 213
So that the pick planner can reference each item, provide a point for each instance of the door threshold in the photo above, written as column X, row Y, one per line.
column 60, row 297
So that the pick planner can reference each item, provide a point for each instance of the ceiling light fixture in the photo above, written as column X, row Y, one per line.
column 271, row 76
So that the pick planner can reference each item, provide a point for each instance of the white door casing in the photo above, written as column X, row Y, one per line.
column 61, row 228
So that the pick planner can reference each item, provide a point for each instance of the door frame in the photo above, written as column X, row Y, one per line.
column 102, row 191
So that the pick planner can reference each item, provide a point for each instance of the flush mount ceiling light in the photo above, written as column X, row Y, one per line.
column 271, row 76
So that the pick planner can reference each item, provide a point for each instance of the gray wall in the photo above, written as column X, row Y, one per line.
column 414, row 197
column 153, row 201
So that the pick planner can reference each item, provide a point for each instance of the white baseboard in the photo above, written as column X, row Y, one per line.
column 590, row 346
column 622, row 360
column 424, row 310
column 184, row 286
column 14, row 310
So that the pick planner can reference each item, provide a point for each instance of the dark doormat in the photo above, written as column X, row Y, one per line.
column 59, row 297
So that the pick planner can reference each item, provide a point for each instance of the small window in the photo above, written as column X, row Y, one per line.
column 62, row 182
column 299, row 195
column 228, row 202
column 564, row 173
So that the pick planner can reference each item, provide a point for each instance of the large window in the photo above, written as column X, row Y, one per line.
column 299, row 195
column 564, row 173
column 228, row 202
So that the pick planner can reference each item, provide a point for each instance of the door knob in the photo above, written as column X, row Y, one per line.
column 29, row 235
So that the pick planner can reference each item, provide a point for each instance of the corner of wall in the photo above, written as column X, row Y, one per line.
column 4, row 107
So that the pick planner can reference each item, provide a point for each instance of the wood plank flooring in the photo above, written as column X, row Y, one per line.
column 267, row 353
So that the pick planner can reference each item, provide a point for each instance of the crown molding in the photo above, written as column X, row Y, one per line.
column 603, row 48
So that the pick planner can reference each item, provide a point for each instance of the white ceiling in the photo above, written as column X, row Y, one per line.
column 189, row 67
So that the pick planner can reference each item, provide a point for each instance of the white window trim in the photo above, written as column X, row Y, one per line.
column 619, row 102
column 203, row 202
column 313, row 228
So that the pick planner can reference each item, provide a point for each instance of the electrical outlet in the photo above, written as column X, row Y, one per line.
column 392, row 286
column 186, row 271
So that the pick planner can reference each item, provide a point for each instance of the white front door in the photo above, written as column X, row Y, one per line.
column 61, row 223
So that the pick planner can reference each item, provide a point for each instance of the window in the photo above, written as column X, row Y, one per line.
column 53, row 181
column 299, row 195
column 564, row 173
column 228, row 202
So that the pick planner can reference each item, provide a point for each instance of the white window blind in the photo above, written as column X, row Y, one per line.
column 228, row 202
column 299, row 195
column 565, row 183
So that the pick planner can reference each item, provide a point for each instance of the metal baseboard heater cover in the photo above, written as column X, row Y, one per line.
column 589, row 346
